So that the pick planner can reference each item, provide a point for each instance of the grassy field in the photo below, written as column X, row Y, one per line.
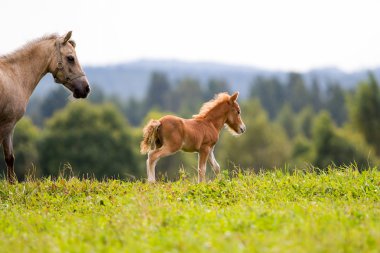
column 337, row 211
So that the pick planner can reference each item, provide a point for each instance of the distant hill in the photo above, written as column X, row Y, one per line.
column 132, row 79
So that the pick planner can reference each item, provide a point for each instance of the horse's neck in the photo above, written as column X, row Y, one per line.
column 32, row 64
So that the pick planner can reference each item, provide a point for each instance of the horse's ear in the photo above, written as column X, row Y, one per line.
column 67, row 37
column 72, row 43
column 234, row 96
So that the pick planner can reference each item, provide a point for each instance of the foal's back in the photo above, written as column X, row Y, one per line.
column 186, row 134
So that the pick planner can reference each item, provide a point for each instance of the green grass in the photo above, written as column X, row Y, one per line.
column 337, row 211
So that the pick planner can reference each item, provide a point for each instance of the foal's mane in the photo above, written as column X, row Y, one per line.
column 29, row 45
column 208, row 106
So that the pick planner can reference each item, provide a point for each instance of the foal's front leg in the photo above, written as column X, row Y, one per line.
column 214, row 164
column 202, row 162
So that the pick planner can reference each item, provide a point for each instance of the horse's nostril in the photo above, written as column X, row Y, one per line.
column 87, row 89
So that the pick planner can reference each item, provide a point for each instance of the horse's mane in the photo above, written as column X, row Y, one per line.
column 208, row 106
column 29, row 45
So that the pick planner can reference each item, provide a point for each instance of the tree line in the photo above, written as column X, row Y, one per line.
column 289, row 125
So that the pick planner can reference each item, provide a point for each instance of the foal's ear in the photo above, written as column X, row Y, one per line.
column 234, row 96
column 67, row 37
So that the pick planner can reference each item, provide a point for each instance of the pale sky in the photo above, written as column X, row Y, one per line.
column 272, row 34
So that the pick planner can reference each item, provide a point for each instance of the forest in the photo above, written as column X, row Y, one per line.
column 290, row 125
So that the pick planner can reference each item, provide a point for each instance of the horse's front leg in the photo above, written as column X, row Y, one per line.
column 202, row 162
column 9, row 158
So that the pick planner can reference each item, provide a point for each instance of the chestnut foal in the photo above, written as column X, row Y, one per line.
column 170, row 134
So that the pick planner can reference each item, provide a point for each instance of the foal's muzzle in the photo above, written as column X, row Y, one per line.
column 242, row 129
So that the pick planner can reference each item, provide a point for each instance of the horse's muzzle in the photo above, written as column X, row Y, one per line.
column 81, row 93
column 80, row 87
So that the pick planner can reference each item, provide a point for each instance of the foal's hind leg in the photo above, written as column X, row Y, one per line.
column 9, row 158
column 153, row 157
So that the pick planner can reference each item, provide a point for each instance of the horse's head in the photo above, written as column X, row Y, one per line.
column 66, row 68
column 234, row 121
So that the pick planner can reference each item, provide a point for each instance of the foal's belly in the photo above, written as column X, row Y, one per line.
column 192, row 141
column 188, row 148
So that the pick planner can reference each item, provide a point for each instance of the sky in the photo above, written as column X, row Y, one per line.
column 290, row 35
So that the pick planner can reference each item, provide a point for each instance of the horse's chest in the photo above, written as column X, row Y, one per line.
column 12, row 103
column 11, row 112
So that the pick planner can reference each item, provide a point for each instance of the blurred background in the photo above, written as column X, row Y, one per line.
column 307, row 71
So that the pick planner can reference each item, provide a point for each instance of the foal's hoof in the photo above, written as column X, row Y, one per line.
column 151, row 181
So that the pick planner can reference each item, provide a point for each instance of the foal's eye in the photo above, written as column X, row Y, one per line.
column 70, row 59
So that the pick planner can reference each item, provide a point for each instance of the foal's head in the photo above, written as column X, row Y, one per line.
column 234, row 121
column 66, row 69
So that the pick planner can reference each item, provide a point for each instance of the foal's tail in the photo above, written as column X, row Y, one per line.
column 150, row 136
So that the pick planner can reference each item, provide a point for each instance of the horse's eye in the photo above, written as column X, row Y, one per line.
column 238, row 112
column 70, row 59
